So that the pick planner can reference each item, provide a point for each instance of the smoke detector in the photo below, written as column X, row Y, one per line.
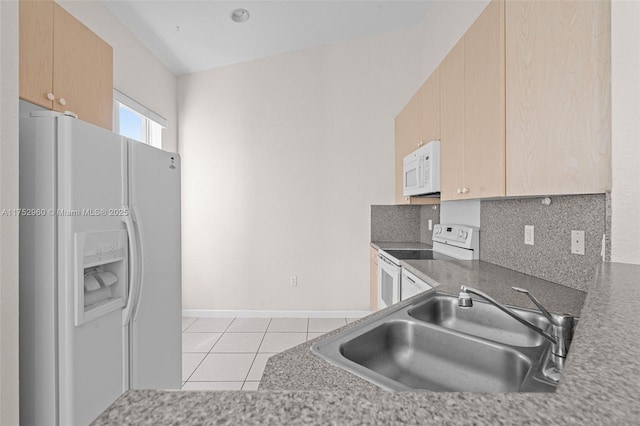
column 240, row 15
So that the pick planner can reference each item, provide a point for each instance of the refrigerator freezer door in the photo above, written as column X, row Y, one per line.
column 154, row 190
column 91, row 180
column 38, row 386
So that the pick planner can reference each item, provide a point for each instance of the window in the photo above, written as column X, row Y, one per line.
column 135, row 121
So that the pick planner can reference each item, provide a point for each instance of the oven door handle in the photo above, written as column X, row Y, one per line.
column 387, row 261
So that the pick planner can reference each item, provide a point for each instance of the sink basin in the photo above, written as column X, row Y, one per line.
column 482, row 320
column 432, row 344
column 420, row 357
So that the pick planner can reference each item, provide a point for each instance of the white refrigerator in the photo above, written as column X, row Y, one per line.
column 100, row 269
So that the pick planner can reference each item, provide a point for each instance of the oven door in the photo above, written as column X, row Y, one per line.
column 388, row 282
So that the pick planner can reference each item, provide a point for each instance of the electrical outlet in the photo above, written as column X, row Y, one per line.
column 577, row 242
column 529, row 235
column 293, row 281
column 430, row 225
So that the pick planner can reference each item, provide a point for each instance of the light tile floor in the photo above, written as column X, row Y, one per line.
column 231, row 353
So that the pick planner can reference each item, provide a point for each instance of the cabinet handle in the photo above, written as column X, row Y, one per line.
column 465, row 190
column 50, row 96
column 62, row 101
column 459, row 191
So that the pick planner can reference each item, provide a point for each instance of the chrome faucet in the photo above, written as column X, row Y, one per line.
column 561, row 328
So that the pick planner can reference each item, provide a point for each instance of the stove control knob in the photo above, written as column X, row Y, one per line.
column 462, row 234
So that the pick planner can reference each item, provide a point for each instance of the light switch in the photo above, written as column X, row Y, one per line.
column 529, row 235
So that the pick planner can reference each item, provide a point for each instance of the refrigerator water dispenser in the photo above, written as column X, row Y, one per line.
column 101, row 273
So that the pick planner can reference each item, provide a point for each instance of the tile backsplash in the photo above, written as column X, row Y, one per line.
column 502, row 225
column 403, row 223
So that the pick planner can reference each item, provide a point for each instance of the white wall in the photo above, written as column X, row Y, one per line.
column 137, row 72
column 625, row 131
column 283, row 157
column 8, row 225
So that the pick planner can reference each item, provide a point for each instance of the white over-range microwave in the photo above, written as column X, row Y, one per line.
column 421, row 171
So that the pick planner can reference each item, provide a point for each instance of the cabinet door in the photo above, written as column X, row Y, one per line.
column 452, row 123
column 407, row 137
column 82, row 71
column 558, row 97
column 429, row 95
column 36, row 51
column 484, row 106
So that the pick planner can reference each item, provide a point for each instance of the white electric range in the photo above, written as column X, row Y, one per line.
column 450, row 242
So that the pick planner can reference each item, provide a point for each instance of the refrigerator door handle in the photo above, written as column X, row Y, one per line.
column 133, row 267
column 140, row 229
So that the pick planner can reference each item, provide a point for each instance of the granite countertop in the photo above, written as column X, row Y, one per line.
column 601, row 382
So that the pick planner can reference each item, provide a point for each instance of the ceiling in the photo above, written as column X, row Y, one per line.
column 191, row 36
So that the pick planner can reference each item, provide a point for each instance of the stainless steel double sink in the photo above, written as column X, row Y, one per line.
column 433, row 344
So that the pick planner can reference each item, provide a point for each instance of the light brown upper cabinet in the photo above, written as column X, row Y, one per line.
column 472, row 96
column 452, row 124
column 558, row 97
column 64, row 66
column 417, row 124
column 484, row 104
column 36, row 52
column 429, row 95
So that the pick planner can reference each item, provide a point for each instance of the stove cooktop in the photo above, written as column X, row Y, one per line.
column 417, row 255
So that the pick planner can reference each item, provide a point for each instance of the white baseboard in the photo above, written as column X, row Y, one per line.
column 229, row 313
